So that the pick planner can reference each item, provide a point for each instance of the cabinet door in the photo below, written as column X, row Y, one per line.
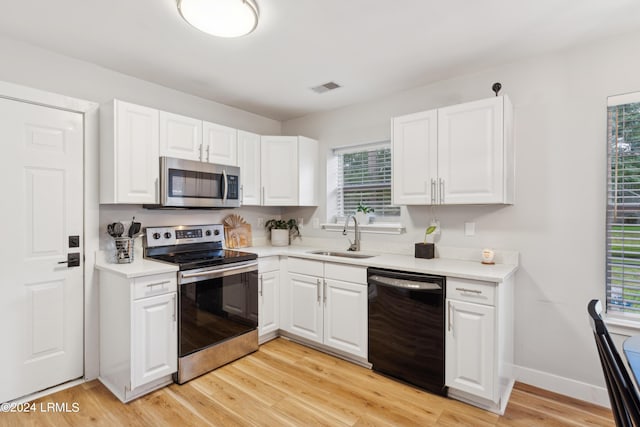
column 307, row 172
column 269, row 306
column 249, row 162
column 154, row 339
column 220, row 144
column 415, row 167
column 279, row 166
column 345, row 316
column 470, row 349
column 471, row 152
column 136, row 153
column 304, row 307
column 180, row 136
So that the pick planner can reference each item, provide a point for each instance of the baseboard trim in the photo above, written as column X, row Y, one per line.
column 567, row 386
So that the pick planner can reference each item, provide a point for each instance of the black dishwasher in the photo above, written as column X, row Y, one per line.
column 406, row 327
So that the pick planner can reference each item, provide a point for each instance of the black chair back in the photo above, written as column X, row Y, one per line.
column 625, row 402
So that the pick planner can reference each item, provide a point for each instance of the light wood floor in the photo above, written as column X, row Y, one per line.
column 286, row 384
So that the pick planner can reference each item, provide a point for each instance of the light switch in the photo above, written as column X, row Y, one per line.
column 469, row 228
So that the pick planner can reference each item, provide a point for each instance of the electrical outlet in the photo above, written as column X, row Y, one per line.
column 260, row 222
column 469, row 228
column 301, row 222
column 316, row 223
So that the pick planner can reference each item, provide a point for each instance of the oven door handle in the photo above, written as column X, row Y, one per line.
column 217, row 273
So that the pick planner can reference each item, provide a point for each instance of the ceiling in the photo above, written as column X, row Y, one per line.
column 372, row 48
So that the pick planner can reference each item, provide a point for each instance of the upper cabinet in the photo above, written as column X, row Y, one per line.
column 289, row 169
column 249, row 162
column 180, row 136
column 219, row 144
column 462, row 154
column 128, row 153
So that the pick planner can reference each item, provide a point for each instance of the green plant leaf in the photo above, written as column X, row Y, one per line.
column 430, row 229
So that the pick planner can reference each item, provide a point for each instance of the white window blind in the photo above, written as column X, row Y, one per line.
column 364, row 177
column 623, row 204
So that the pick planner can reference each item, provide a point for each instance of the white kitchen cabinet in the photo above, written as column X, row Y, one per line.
column 180, row 136
column 220, row 144
column 463, row 154
column 479, row 342
column 289, row 171
column 249, row 162
column 138, row 333
column 268, row 298
column 326, row 303
column 129, row 147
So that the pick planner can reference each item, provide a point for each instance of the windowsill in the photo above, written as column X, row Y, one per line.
column 621, row 326
column 376, row 228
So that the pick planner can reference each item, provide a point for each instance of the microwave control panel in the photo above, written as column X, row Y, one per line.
column 234, row 189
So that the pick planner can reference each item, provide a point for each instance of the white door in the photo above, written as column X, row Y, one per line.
column 345, row 316
column 41, row 309
column 305, row 306
column 414, row 149
column 180, row 136
column 249, row 162
column 470, row 341
column 154, row 339
column 279, row 165
column 220, row 144
column 471, row 152
column 269, row 298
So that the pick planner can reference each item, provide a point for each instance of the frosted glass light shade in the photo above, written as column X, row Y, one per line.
column 222, row 18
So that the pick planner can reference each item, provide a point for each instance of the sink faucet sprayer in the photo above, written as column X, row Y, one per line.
column 355, row 245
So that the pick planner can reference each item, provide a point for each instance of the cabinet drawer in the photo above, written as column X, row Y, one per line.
column 154, row 285
column 345, row 273
column 471, row 290
column 305, row 266
column 271, row 263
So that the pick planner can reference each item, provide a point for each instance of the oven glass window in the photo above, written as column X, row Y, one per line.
column 214, row 310
column 198, row 185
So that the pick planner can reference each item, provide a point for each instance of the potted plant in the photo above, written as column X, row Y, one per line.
column 426, row 249
column 281, row 231
column 364, row 213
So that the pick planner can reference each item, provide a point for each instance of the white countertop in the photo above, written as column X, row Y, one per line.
column 138, row 268
column 441, row 266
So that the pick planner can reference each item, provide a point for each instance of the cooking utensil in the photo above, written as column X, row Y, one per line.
column 134, row 228
column 118, row 229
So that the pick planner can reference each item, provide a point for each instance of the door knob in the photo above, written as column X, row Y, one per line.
column 73, row 260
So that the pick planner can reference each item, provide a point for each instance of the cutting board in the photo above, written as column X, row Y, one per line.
column 237, row 233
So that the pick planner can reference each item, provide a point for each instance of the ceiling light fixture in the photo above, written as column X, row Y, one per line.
column 222, row 18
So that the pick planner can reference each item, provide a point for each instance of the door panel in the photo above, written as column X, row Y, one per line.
column 345, row 317
column 42, row 299
column 305, row 306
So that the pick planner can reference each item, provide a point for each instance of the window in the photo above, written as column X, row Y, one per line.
column 364, row 176
column 623, row 204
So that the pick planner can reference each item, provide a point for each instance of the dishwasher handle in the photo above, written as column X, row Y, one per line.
column 403, row 283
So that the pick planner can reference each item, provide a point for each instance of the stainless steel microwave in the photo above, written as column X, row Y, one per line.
column 193, row 184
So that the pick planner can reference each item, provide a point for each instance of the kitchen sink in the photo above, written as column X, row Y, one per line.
column 341, row 254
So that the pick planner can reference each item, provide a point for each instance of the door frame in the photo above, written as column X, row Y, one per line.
column 91, row 214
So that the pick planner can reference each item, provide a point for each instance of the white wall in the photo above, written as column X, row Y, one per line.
column 558, row 221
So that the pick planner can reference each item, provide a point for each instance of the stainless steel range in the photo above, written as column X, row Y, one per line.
column 218, row 296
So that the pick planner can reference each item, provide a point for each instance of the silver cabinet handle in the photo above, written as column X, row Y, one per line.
column 151, row 285
column 175, row 307
column 262, row 201
column 200, row 157
column 318, row 290
column 324, row 292
column 473, row 291
column 241, row 195
column 261, row 285
column 449, row 316
column 208, row 147
column 433, row 191
column 441, row 190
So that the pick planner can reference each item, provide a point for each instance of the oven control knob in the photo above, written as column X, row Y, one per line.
column 167, row 235
column 156, row 236
column 216, row 232
column 207, row 233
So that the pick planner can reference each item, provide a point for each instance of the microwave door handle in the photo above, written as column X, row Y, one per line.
column 226, row 185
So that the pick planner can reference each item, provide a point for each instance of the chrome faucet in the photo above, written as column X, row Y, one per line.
column 355, row 245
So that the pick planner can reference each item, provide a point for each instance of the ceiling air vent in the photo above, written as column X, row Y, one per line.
column 325, row 87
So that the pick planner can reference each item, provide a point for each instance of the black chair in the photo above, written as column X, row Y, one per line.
column 625, row 402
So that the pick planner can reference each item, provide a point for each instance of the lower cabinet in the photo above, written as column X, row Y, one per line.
column 326, row 303
column 479, row 342
column 268, row 297
column 138, row 333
